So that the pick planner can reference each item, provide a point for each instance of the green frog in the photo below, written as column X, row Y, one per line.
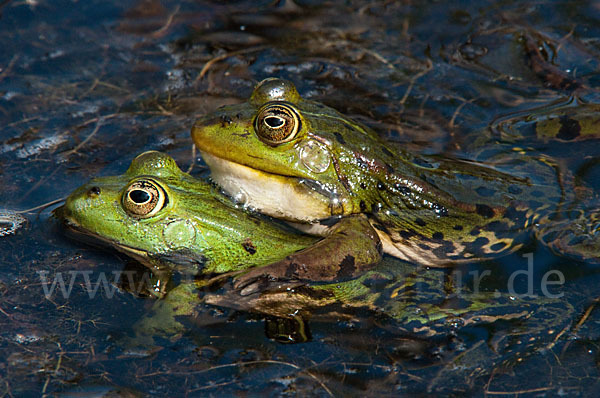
column 169, row 220
column 303, row 162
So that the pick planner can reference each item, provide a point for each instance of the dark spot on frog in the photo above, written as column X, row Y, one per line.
column 458, row 228
column 423, row 246
column 347, row 267
column 363, row 185
column 515, row 190
column 569, row 129
column 497, row 226
column 438, row 235
column 420, row 222
column 94, row 191
column 363, row 206
column 249, row 246
column 380, row 186
column 245, row 134
column 379, row 227
column 476, row 247
column 485, row 192
column 402, row 189
column 475, row 232
column 375, row 207
column 339, row 138
column 444, row 249
column 498, row 246
column 330, row 222
column 387, row 152
column 225, row 120
column 484, row 210
column 517, row 216
column 481, row 241
column 407, row 234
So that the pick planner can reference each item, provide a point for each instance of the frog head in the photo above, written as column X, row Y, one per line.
column 289, row 157
column 160, row 215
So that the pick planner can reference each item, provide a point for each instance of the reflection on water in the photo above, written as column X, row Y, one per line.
column 86, row 86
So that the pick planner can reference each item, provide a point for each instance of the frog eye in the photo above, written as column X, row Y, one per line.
column 144, row 198
column 277, row 123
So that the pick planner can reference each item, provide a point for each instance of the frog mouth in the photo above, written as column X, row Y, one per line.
column 289, row 198
column 74, row 231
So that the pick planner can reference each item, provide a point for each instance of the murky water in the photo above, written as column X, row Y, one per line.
column 85, row 86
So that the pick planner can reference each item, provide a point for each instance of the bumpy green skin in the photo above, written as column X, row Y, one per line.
column 197, row 231
column 426, row 209
column 213, row 236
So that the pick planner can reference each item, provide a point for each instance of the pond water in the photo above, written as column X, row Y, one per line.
column 85, row 86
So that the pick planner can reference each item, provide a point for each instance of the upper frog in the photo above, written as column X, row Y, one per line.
column 304, row 162
column 162, row 216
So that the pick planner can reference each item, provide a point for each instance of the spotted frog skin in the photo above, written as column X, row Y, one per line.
column 301, row 161
column 168, row 220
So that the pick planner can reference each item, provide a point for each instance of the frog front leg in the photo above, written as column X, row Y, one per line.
column 351, row 248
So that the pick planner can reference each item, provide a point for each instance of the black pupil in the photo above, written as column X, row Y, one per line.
column 138, row 196
column 274, row 122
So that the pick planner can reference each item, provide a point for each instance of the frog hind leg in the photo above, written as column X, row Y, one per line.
column 350, row 249
column 573, row 233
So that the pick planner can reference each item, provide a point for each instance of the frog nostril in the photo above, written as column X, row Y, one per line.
column 94, row 191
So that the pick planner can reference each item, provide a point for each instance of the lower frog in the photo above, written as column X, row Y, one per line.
column 169, row 220
column 303, row 162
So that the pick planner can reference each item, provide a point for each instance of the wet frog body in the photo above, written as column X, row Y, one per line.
column 171, row 221
column 167, row 219
column 304, row 162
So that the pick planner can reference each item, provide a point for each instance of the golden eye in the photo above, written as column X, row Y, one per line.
column 276, row 123
column 144, row 198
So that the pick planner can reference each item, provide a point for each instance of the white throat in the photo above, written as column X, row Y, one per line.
column 275, row 195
